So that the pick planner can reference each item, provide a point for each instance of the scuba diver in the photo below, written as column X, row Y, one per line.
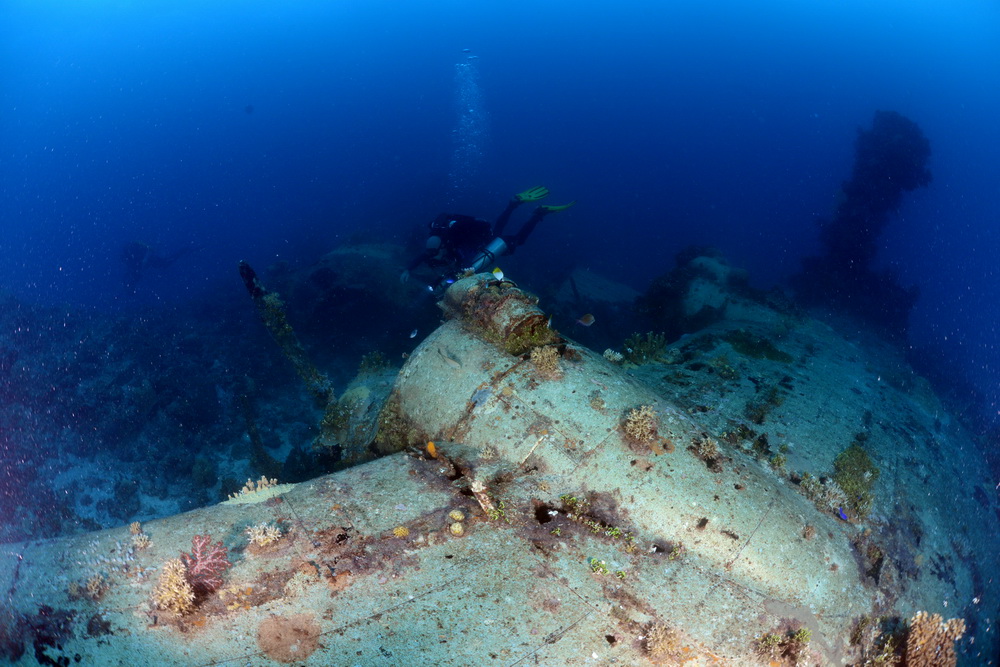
column 461, row 243
column 138, row 257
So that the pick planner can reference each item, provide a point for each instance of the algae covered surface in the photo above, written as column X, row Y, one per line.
column 499, row 333
column 574, row 508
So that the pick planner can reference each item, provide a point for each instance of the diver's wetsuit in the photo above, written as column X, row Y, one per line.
column 464, row 237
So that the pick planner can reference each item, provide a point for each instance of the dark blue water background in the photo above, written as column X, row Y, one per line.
column 277, row 130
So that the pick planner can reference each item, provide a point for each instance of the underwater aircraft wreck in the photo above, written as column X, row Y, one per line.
column 762, row 491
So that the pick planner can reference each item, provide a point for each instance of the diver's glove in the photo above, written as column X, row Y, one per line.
column 556, row 209
column 532, row 194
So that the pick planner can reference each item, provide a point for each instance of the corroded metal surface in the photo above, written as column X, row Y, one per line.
column 576, row 542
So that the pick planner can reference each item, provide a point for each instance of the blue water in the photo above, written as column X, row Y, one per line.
column 276, row 131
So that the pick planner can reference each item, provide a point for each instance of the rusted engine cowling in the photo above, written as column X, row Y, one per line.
column 499, row 312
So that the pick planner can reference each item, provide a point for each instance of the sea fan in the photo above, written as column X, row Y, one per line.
column 205, row 564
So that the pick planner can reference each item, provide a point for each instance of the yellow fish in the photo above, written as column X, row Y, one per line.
column 498, row 274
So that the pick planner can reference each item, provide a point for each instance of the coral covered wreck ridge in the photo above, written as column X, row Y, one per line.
column 737, row 498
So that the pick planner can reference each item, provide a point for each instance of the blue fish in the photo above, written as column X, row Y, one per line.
column 841, row 513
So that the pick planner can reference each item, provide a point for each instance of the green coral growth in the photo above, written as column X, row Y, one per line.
column 802, row 636
column 789, row 648
column 373, row 363
column 856, row 474
column 598, row 566
column 641, row 349
column 396, row 430
column 335, row 418
column 723, row 368
column 811, row 486
column 481, row 310
column 271, row 309
column 533, row 333
column 575, row 507
column 878, row 644
column 761, row 447
column 572, row 505
column 737, row 435
column 758, row 408
column 499, row 512
column 757, row 347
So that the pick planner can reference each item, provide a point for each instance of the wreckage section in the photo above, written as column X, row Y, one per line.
column 540, row 506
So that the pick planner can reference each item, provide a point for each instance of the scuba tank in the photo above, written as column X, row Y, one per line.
column 488, row 255
column 484, row 258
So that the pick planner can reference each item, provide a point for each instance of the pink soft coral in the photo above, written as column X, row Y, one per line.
column 205, row 564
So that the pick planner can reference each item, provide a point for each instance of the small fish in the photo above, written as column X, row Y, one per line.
column 586, row 320
column 413, row 334
column 498, row 274
column 843, row 516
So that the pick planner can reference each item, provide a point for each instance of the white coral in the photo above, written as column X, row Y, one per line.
column 263, row 534
column 261, row 484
